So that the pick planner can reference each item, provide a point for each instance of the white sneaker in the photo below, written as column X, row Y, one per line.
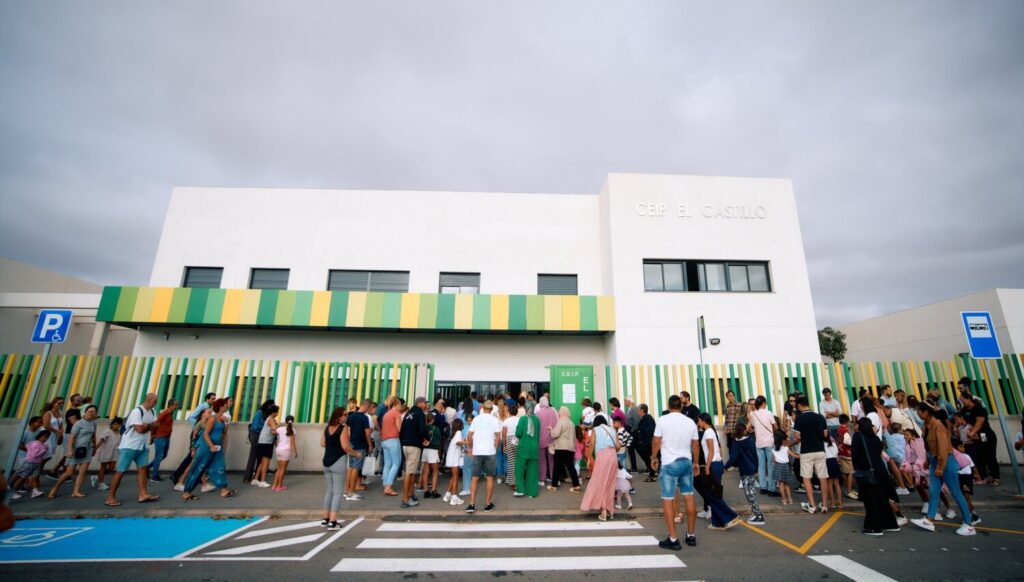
column 902, row 521
column 207, row 488
column 499, row 480
column 618, row 506
column 459, row 499
column 902, row 491
column 924, row 509
column 741, row 485
column 36, row 493
column 701, row 514
column 263, row 484
column 950, row 514
column 517, row 494
column 104, row 487
column 455, row 500
column 937, row 516
column 93, row 480
column 464, row 492
column 447, row 496
column 923, row 523
column 966, row 530
column 15, row 495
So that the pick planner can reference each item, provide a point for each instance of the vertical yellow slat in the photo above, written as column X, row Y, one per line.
column 33, row 370
column 239, row 382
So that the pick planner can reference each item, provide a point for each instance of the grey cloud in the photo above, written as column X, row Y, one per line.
column 899, row 124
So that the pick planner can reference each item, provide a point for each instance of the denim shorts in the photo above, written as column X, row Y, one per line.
column 355, row 462
column 485, row 465
column 125, row 458
column 678, row 473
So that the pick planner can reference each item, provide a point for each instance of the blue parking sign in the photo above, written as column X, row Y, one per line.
column 52, row 326
column 981, row 335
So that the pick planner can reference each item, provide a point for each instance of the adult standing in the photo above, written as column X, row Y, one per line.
column 676, row 439
column 510, row 444
column 413, row 435
column 197, row 412
column 830, row 409
column 563, row 436
column 644, row 441
column 873, row 480
column 764, row 439
column 133, row 450
column 358, row 431
column 334, row 466
column 548, row 418
column 600, row 493
column 732, row 414
column 529, row 431
column 722, row 516
column 943, row 469
column 632, row 423
column 887, row 398
column 53, row 422
column 689, row 409
column 484, row 435
column 81, row 444
column 811, row 434
column 210, row 452
column 255, row 428
column 617, row 411
column 71, row 416
column 162, row 438
column 981, row 431
column 390, row 425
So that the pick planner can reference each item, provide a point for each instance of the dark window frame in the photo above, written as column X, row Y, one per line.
column 696, row 266
column 185, row 277
column 576, row 283
column 369, row 279
column 252, row 277
column 441, row 286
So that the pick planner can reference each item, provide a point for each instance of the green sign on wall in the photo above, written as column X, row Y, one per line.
column 570, row 385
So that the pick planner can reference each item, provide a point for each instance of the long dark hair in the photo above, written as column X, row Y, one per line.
column 336, row 415
column 467, row 407
column 265, row 407
column 49, row 405
column 289, row 424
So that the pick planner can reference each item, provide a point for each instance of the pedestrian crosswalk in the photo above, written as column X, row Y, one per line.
column 514, row 546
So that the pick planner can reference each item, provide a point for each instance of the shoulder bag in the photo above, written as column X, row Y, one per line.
column 866, row 476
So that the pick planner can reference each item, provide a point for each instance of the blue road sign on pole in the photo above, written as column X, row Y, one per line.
column 981, row 335
column 52, row 326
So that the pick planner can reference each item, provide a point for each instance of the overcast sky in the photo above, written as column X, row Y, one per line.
column 901, row 124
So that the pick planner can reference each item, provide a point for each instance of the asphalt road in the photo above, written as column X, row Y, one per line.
column 788, row 547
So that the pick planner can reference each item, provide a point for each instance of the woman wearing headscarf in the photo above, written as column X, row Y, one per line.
column 563, row 437
column 528, row 433
column 548, row 418
column 600, row 494
column 872, row 480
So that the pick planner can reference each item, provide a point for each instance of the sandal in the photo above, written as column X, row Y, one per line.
column 114, row 504
column 189, row 497
column 602, row 518
column 229, row 493
column 150, row 499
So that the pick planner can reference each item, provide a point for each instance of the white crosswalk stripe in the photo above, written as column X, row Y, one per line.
column 423, row 536
column 277, row 530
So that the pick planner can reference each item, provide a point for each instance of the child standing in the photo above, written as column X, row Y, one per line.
column 743, row 455
column 286, row 450
column 32, row 466
column 578, row 456
column 106, row 452
column 623, row 483
column 845, row 442
column 966, row 477
column 431, row 457
column 835, row 481
column 783, row 473
column 453, row 460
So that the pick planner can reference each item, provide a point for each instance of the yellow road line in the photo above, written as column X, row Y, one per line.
column 773, row 538
column 977, row 527
column 815, row 537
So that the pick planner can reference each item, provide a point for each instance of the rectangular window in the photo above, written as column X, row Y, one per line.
column 678, row 275
column 556, row 285
column 345, row 280
column 268, row 279
column 203, row 277
column 460, row 283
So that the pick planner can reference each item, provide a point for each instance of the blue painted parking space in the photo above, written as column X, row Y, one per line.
column 57, row 540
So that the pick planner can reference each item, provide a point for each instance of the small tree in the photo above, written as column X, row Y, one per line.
column 832, row 343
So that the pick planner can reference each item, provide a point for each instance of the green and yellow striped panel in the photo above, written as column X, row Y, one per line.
column 356, row 309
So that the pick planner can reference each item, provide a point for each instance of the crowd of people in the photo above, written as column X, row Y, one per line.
column 889, row 447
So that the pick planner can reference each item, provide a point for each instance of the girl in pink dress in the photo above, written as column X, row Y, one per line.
column 286, row 450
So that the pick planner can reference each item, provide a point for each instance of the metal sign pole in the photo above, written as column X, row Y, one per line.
column 997, row 391
column 16, row 442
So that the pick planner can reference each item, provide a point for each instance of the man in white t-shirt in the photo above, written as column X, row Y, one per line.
column 676, row 438
column 484, row 434
column 134, row 448
column 764, row 425
column 830, row 409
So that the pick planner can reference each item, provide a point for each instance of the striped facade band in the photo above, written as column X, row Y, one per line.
column 356, row 309
column 116, row 384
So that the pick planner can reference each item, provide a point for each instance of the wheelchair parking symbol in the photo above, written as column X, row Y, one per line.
column 33, row 537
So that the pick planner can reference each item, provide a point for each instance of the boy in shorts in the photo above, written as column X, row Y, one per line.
column 845, row 441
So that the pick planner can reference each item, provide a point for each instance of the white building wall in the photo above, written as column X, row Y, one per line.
column 935, row 331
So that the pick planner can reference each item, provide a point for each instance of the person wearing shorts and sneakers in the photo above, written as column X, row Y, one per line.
column 811, row 434
column 134, row 449
column 484, row 434
column 844, row 441
column 676, row 438
column 412, row 435
column 358, row 432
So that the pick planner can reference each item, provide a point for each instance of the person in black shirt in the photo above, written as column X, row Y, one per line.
column 413, row 435
column 645, row 439
column 689, row 409
column 980, row 430
column 359, row 430
column 812, row 432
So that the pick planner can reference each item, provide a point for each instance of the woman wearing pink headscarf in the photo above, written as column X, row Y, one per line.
column 548, row 419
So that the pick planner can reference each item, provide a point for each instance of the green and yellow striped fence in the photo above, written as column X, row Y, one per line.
column 654, row 383
column 306, row 389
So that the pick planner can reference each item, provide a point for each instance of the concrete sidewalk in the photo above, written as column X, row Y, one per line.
column 304, row 498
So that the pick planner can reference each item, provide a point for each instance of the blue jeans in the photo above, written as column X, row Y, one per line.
column 160, row 447
column 952, row 482
column 678, row 473
column 467, row 472
column 622, row 458
column 721, row 513
column 502, row 463
column 392, row 460
column 765, row 463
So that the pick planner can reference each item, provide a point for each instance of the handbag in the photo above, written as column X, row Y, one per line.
column 81, row 452
column 866, row 476
column 370, row 466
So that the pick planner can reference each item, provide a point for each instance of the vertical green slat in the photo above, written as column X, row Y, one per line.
column 373, row 316
column 267, row 309
column 303, row 308
column 482, row 312
column 196, row 308
column 534, row 312
column 588, row 313
column 445, row 311
column 214, row 306
column 391, row 314
column 517, row 312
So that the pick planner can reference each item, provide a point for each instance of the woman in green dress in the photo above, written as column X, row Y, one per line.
column 527, row 455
